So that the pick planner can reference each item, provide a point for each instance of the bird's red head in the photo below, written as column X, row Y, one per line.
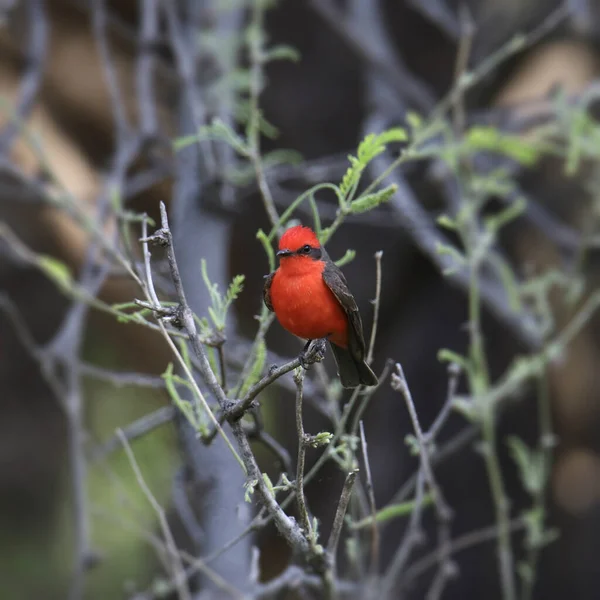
column 299, row 241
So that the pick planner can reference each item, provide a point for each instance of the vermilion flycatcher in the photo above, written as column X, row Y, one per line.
column 311, row 299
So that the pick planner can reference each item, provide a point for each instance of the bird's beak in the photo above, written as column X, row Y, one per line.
column 284, row 252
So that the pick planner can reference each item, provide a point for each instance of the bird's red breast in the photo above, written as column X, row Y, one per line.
column 303, row 303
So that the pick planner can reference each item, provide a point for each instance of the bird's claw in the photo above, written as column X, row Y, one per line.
column 313, row 352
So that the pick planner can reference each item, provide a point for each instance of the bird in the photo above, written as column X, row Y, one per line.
column 310, row 298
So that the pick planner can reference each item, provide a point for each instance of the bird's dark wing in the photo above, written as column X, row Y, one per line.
column 267, row 290
column 336, row 282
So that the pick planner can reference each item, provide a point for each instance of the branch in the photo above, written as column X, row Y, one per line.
column 372, row 504
column 34, row 71
column 182, row 316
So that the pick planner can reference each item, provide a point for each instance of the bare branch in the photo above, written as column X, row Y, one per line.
column 177, row 567
column 32, row 78
column 340, row 513
column 135, row 430
column 372, row 504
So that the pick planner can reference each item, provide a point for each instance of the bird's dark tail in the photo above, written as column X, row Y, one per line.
column 352, row 372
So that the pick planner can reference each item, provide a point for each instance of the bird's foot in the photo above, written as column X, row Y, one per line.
column 313, row 351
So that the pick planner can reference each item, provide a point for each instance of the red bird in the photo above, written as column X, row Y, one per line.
column 311, row 299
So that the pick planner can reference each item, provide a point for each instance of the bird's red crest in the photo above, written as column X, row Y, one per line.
column 298, row 236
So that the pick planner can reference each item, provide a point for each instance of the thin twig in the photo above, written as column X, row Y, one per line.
column 412, row 538
column 376, row 305
column 118, row 106
column 454, row 372
column 302, row 443
column 376, row 50
column 338, row 521
column 135, row 430
column 178, row 571
column 121, row 378
column 148, row 32
column 463, row 542
column 243, row 405
column 545, row 447
column 442, row 510
column 400, row 384
column 372, row 504
column 222, row 367
column 256, row 52
column 34, row 71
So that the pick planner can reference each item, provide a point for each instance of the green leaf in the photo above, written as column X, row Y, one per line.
column 323, row 438
column 183, row 405
column 242, row 112
column 373, row 144
column 348, row 257
column 371, row 201
column 510, row 213
column 282, row 52
column 414, row 120
column 509, row 281
column 578, row 125
column 531, row 464
column 351, row 177
column 269, row 484
column 447, row 222
column 446, row 249
column 394, row 511
column 220, row 304
column 218, row 131
column 249, row 485
column 57, row 271
column 413, row 444
column 256, row 369
column 261, row 236
column 489, row 138
column 370, row 147
column 467, row 408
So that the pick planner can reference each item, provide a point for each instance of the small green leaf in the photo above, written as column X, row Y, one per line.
column 449, row 356
column 509, row 281
column 322, row 438
column 57, row 271
column 282, row 52
column 531, row 465
column 510, row 213
column 348, row 257
column 394, row 511
column 446, row 249
column 413, row 444
column 414, row 120
column 183, row 405
column 218, row 131
column 256, row 370
column 371, row 201
column 513, row 146
column 249, row 486
column 467, row 408
column 447, row 222
column 269, row 484
column 261, row 236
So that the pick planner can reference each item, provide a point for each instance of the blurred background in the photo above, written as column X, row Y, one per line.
column 77, row 122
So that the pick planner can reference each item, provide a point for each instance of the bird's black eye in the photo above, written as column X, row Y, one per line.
column 305, row 249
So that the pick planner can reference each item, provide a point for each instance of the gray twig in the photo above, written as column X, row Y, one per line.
column 135, row 430
column 340, row 513
column 372, row 504
column 302, row 443
column 178, row 571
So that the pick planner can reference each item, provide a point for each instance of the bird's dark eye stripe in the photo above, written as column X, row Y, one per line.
column 311, row 251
